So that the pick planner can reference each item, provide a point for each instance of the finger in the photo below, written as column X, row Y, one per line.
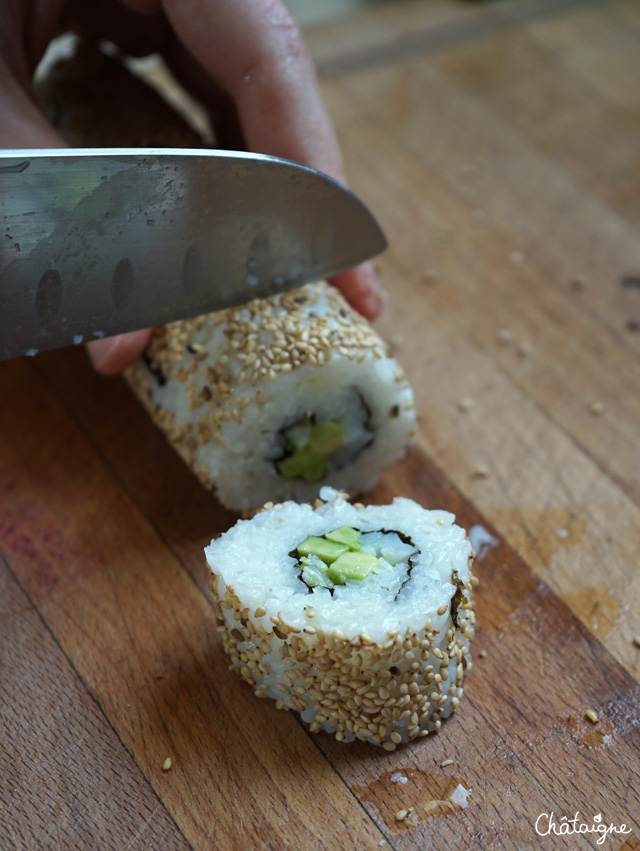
column 22, row 124
column 361, row 288
column 253, row 49
column 113, row 354
column 220, row 107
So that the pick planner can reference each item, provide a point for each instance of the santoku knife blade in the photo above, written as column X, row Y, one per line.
column 96, row 242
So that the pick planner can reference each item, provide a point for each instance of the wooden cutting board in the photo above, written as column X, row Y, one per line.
column 501, row 151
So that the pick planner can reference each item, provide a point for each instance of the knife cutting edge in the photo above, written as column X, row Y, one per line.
column 97, row 242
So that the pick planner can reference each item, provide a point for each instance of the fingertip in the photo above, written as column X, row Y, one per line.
column 372, row 306
column 113, row 354
column 362, row 289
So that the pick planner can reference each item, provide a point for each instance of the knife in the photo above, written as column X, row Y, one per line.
column 97, row 241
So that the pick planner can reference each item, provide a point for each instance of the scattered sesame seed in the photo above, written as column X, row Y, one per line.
column 166, row 765
column 482, row 654
column 480, row 472
column 597, row 409
column 402, row 814
column 465, row 404
column 446, row 762
column 525, row 348
column 504, row 337
column 591, row 715
column 636, row 640
column 430, row 276
column 443, row 608
column 579, row 281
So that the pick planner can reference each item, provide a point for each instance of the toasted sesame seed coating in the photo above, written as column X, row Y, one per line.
column 213, row 384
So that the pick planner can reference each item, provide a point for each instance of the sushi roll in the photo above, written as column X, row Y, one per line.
column 271, row 400
column 357, row 618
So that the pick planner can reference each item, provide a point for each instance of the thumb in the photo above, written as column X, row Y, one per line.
column 23, row 125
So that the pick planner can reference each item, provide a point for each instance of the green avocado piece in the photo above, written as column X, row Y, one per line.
column 310, row 446
column 345, row 535
column 306, row 463
column 316, row 466
column 328, row 551
column 327, row 437
column 351, row 566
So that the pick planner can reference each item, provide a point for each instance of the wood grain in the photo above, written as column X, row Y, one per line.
column 574, row 125
column 601, row 49
column 66, row 780
column 388, row 32
column 506, row 130
column 143, row 638
column 171, row 694
column 532, row 413
column 528, row 617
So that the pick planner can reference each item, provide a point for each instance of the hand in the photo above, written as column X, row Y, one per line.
column 241, row 58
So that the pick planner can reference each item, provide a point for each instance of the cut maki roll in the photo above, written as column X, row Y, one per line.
column 273, row 399
column 357, row 618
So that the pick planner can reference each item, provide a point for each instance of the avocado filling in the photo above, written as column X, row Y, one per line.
column 312, row 444
column 345, row 535
column 309, row 445
column 346, row 554
column 332, row 559
column 352, row 566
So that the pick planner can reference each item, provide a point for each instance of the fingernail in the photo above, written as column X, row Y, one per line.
column 369, row 277
column 101, row 351
column 372, row 305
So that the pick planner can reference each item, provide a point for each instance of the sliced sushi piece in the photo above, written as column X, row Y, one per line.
column 357, row 618
column 271, row 400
